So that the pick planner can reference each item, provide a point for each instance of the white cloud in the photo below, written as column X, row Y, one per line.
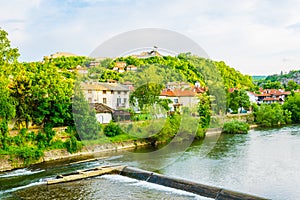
column 253, row 36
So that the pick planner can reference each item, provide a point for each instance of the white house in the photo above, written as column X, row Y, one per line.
column 104, row 114
column 113, row 95
column 179, row 98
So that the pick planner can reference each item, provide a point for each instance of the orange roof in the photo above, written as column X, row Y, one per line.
column 262, row 95
column 271, row 99
column 177, row 93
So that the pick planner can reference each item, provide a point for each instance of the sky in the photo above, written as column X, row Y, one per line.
column 257, row 37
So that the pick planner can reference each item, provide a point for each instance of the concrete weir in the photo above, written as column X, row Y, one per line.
column 151, row 177
column 189, row 186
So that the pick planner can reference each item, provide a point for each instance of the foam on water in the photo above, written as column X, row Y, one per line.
column 40, row 182
column 151, row 186
column 20, row 172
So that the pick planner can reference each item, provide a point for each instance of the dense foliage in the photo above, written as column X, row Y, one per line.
column 235, row 127
column 269, row 115
column 283, row 80
column 292, row 105
column 238, row 99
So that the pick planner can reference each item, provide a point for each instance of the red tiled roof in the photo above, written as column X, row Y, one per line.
column 271, row 99
column 262, row 95
column 177, row 93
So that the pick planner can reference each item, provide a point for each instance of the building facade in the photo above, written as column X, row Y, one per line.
column 113, row 95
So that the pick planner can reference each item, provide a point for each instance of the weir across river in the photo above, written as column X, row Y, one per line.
column 148, row 176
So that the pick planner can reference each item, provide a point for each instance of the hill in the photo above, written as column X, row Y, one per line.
column 293, row 75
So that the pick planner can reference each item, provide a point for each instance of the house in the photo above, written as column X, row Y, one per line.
column 179, row 98
column 81, row 70
column 252, row 97
column 131, row 68
column 104, row 114
column 182, row 94
column 60, row 54
column 113, row 95
column 268, row 96
column 149, row 54
column 120, row 67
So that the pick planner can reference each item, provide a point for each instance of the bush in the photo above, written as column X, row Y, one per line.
column 235, row 127
column 73, row 145
column 112, row 129
column 269, row 115
column 28, row 154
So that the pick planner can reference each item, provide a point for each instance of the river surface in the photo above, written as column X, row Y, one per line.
column 264, row 163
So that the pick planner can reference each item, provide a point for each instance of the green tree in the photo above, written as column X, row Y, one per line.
column 238, row 99
column 272, row 85
column 204, row 110
column 272, row 115
column 292, row 104
column 292, row 85
column 84, row 116
column 7, row 53
column 148, row 85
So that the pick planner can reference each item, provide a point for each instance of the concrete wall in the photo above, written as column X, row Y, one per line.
column 104, row 118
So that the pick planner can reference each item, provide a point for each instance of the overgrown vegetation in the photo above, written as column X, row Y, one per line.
column 235, row 127
column 268, row 115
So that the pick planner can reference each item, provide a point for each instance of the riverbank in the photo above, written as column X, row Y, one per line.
column 87, row 151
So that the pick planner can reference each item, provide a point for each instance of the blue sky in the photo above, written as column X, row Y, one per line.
column 255, row 37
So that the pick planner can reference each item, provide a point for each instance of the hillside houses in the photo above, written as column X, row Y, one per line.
column 268, row 96
column 181, row 95
column 122, row 67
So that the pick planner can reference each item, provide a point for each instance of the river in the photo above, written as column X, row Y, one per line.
column 264, row 162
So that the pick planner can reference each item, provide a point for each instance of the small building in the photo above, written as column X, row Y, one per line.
column 268, row 96
column 104, row 114
column 113, row 95
column 179, row 98
column 131, row 68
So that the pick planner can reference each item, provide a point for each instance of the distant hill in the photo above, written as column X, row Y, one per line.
column 285, row 78
column 256, row 78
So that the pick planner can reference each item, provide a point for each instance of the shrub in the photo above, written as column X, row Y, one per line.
column 28, row 154
column 269, row 115
column 112, row 129
column 73, row 145
column 235, row 127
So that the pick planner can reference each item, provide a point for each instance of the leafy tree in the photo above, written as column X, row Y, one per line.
column 292, row 85
column 238, row 99
column 21, row 91
column 204, row 110
column 272, row 115
column 84, row 116
column 7, row 53
column 272, row 85
column 292, row 105
column 148, row 88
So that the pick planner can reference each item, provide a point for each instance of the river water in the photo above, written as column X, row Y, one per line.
column 264, row 163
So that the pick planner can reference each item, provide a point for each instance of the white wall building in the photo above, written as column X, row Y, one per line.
column 113, row 95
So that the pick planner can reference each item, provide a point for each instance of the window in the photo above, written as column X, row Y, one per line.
column 175, row 100
column 119, row 92
column 125, row 100
column 90, row 91
column 104, row 92
column 104, row 100
column 119, row 101
column 112, row 92
column 90, row 100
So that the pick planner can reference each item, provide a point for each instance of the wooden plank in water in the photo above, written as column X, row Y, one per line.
column 82, row 174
